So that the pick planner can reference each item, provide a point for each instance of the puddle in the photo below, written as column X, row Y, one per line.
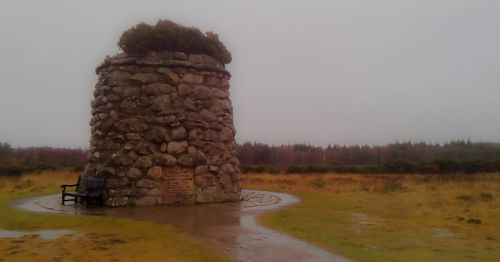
column 43, row 234
column 230, row 227
column 364, row 219
column 361, row 220
column 444, row 233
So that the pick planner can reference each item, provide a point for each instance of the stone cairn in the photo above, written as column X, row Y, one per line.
column 162, row 130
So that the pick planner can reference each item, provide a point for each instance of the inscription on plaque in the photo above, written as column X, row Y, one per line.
column 178, row 185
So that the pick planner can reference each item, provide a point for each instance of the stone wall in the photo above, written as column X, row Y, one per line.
column 162, row 130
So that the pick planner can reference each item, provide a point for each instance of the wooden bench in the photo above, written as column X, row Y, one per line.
column 88, row 189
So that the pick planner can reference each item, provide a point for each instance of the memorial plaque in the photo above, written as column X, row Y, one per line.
column 178, row 187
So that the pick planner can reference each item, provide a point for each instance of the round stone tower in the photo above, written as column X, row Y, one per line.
column 162, row 130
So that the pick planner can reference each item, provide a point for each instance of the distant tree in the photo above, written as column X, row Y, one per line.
column 6, row 150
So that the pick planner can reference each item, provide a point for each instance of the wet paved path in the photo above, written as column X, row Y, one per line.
column 230, row 226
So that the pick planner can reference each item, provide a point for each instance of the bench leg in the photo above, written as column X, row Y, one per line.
column 64, row 199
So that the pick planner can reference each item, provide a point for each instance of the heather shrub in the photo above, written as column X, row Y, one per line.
column 486, row 197
column 166, row 35
column 318, row 183
column 465, row 198
column 393, row 186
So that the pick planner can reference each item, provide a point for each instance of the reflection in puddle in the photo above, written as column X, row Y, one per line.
column 364, row 219
column 444, row 233
column 226, row 226
column 361, row 220
column 43, row 234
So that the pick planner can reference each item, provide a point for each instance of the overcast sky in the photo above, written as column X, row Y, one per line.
column 317, row 72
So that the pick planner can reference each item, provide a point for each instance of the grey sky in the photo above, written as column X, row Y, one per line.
column 303, row 71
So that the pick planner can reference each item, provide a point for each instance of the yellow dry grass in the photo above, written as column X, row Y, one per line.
column 391, row 217
column 36, row 182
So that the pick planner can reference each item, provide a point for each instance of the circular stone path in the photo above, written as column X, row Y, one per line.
column 230, row 227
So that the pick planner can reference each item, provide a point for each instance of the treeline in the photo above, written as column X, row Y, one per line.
column 456, row 156
column 301, row 154
column 407, row 157
column 15, row 161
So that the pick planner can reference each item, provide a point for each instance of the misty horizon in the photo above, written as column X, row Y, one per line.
column 319, row 72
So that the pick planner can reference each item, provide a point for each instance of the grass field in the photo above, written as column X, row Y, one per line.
column 364, row 217
column 391, row 217
column 98, row 238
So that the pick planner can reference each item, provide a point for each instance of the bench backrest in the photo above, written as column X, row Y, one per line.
column 92, row 186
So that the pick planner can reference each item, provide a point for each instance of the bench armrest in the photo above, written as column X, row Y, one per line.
column 64, row 186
